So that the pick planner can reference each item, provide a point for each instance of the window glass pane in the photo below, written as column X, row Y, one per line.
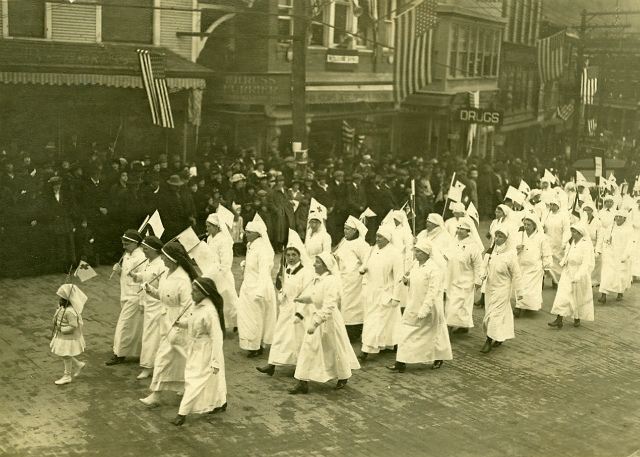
column 488, row 50
column 26, row 18
column 497, row 36
column 463, row 47
column 472, row 52
column 340, row 23
column 454, row 50
column 127, row 24
column 480, row 56
column 317, row 31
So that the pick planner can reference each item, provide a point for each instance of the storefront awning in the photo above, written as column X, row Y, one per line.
column 112, row 65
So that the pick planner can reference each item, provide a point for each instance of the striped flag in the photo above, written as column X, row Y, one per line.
column 413, row 42
column 565, row 111
column 155, row 83
column 551, row 57
column 592, row 124
column 589, row 85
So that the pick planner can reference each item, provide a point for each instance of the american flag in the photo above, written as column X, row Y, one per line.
column 414, row 38
column 589, row 85
column 592, row 124
column 550, row 57
column 565, row 111
column 155, row 83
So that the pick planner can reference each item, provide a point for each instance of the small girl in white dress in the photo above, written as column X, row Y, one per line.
column 67, row 340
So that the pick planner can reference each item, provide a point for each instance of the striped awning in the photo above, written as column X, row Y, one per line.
column 80, row 79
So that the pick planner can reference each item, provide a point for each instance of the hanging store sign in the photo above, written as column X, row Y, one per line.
column 480, row 116
column 251, row 89
column 342, row 59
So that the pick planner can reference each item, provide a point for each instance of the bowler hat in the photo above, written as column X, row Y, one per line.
column 175, row 180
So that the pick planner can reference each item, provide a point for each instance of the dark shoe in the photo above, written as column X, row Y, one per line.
column 517, row 312
column 219, row 409
column 554, row 285
column 603, row 298
column 619, row 297
column 437, row 364
column 486, row 348
column 557, row 323
column 253, row 354
column 398, row 367
column 235, row 329
column 301, row 388
column 179, row 420
column 496, row 344
column 480, row 303
column 269, row 369
column 363, row 356
column 576, row 322
column 115, row 360
column 460, row 331
column 341, row 383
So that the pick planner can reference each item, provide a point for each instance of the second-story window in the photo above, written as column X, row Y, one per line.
column 26, row 18
column 342, row 24
column 127, row 21
column 285, row 24
column 474, row 52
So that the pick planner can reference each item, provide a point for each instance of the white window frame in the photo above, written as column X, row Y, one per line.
column 352, row 21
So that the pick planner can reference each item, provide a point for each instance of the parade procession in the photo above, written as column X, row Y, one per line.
column 320, row 227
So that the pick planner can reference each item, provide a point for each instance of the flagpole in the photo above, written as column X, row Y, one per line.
column 413, row 205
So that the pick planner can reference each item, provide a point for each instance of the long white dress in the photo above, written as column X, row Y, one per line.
column 534, row 258
column 503, row 273
column 257, row 302
column 351, row 255
column 464, row 270
column 221, row 246
column 127, row 341
column 556, row 228
column 326, row 354
column 382, row 325
column 424, row 340
column 151, row 330
column 635, row 220
column 616, row 245
column 317, row 242
column 288, row 336
column 402, row 240
column 174, row 291
column 595, row 230
column 203, row 390
column 575, row 300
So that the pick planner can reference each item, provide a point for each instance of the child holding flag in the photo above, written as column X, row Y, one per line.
column 67, row 340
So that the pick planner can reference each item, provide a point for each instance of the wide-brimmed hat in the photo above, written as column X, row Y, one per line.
column 237, row 177
column 175, row 180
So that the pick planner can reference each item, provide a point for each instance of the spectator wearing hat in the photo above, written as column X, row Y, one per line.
column 136, row 203
column 127, row 341
column 238, row 191
column 339, row 215
column 289, row 170
column 281, row 212
column 176, row 208
column 356, row 196
column 322, row 192
column 56, row 213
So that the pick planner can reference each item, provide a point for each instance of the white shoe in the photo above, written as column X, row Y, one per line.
column 151, row 400
column 145, row 373
column 66, row 379
column 79, row 368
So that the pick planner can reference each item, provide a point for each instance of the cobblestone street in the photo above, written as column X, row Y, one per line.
column 574, row 392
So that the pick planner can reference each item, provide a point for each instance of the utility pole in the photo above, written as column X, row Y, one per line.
column 298, row 72
column 577, row 112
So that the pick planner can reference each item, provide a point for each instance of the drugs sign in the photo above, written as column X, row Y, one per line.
column 479, row 116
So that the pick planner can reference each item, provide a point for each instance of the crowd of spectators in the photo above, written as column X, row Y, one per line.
column 58, row 210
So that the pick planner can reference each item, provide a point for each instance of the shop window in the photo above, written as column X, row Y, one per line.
column 127, row 21
column 26, row 18
column 285, row 24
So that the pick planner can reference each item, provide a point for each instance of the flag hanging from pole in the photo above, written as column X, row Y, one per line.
column 413, row 43
column 550, row 57
column 565, row 111
column 155, row 83
column 589, row 85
